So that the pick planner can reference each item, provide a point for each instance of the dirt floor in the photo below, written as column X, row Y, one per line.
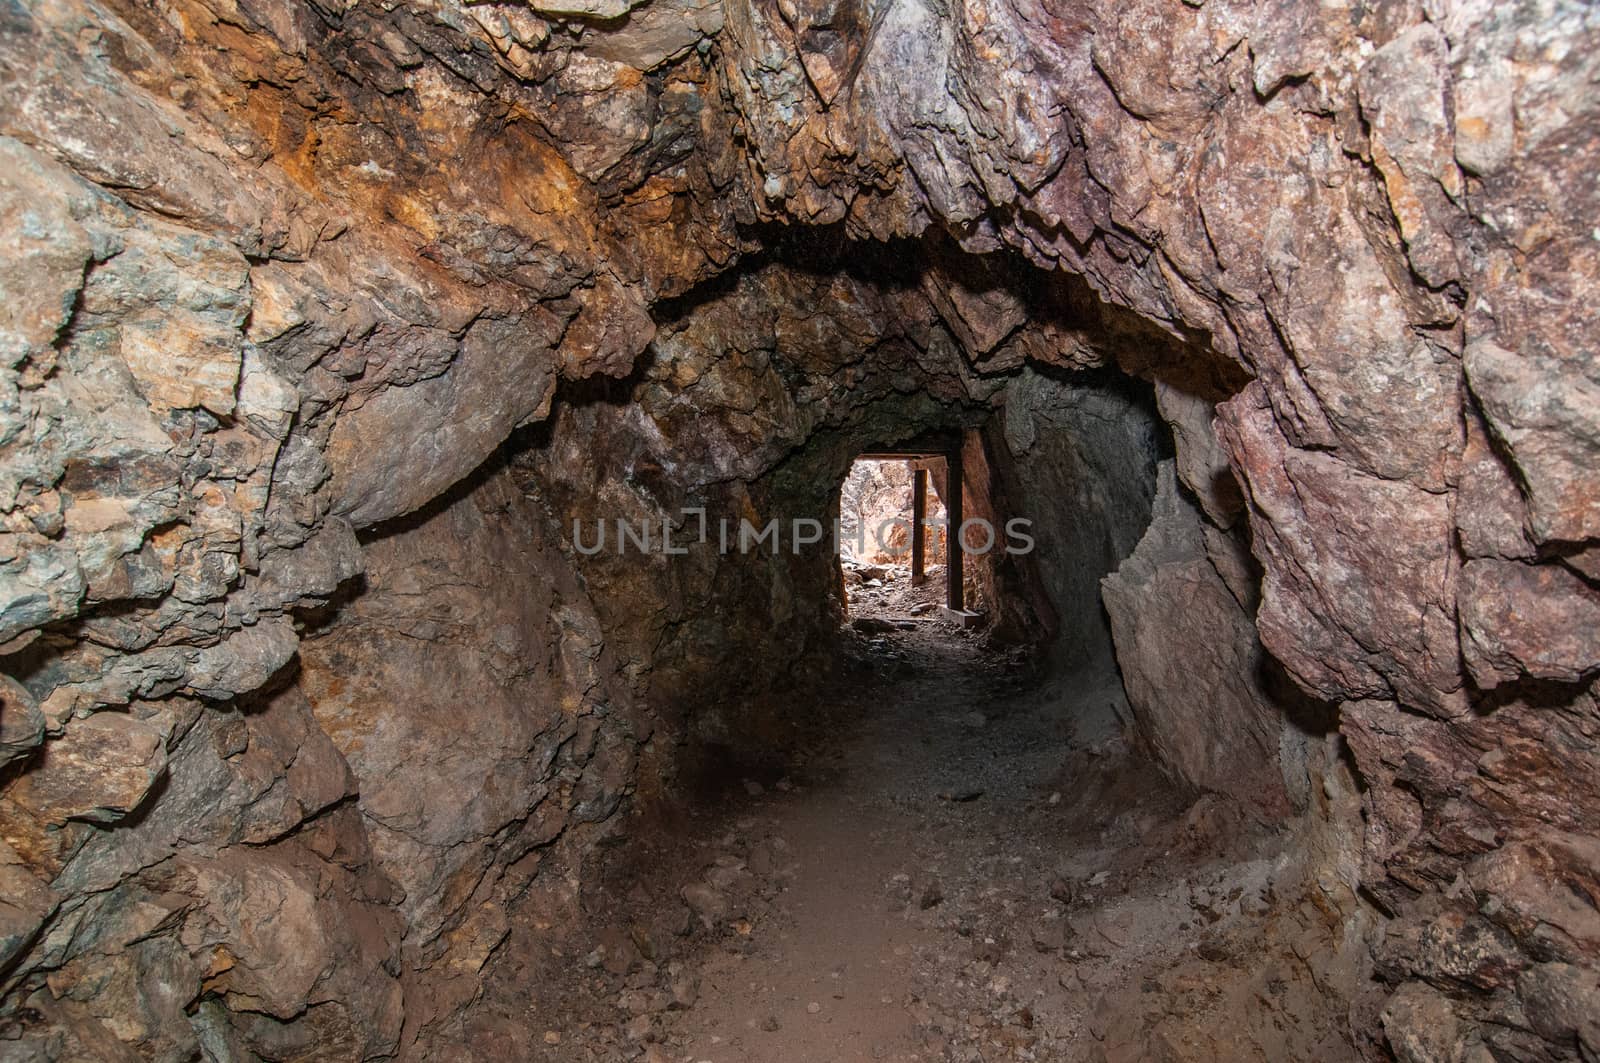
column 952, row 876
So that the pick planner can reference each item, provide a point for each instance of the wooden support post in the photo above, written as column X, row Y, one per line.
column 955, row 583
column 919, row 517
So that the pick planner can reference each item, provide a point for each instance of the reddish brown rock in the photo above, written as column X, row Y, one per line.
column 1365, row 610
column 272, row 273
column 1518, row 620
column 99, row 770
column 473, row 642
column 1190, row 660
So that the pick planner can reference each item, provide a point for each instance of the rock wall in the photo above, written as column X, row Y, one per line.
column 279, row 276
column 1082, row 465
column 486, row 728
column 1361, row 206
column 1192, row 662
column 275, row 277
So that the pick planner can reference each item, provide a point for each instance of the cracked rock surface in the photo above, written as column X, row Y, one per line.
column 323, row 324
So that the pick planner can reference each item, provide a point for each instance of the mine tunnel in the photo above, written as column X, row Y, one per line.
column 762, row 531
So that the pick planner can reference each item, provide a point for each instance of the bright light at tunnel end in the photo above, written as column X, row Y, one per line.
column 620, row 535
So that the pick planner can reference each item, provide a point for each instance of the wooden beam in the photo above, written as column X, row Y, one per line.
column 955, row 588
column 919, row 517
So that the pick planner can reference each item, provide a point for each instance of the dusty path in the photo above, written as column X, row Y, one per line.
column 950, row 879
column 911, row 818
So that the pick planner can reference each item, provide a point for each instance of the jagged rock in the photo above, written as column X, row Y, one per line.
column 313, row 570
column 1562, row 1003
column 1536, row 620
column 1403, row 96
column 291, row 295
column 657, row 32
column 1489, row 511
column 100, row 770
column 602, row 9
column 178, row 300
column 1205, row 717
column 533, row 749
column 448, row 423
column 1421, row 1026
column 1543, row 411
column 46, row 251
column 27, row 901
column 258, row 924
column 1202, row 464
column 243, row 661
column 1386, row 581
column 21, row 725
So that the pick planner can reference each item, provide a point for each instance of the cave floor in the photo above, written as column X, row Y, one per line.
column 950, row 877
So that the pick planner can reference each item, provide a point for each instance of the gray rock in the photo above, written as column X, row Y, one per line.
column 243, row 661
column 21, row 724
column 1167, row 595
column 706, row 902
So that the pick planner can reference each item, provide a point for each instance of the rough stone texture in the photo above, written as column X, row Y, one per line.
column 1519, row 620
column 1205, row 715
column 1365, row 612
column 1080, row 460
column 472, row 597
column 273, row 274
column 247, row 314
column 99, row 771
column 21, row 725
column 252, row 818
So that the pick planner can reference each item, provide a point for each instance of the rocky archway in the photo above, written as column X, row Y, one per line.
column 323, row 324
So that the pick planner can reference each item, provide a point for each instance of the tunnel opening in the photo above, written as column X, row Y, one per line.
column 946, row 815
column 982, row 794
column 420, row 426
column 895, row 537
column 889, row 526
